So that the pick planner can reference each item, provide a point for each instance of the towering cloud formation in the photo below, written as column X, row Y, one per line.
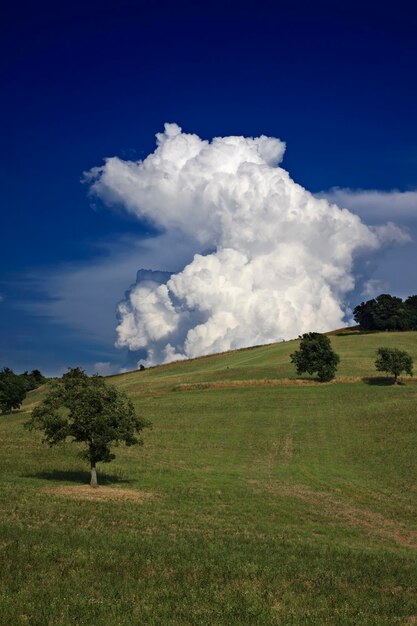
column 279, row 260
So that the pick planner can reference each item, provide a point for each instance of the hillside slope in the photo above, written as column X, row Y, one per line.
column 263, row 505
column 357, row 353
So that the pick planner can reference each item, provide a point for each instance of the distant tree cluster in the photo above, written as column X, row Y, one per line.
column 387, row 312
column 14, row 387
column 33, row 379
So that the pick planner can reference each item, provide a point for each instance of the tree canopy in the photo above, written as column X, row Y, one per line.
column 12, row 390
column 316, row 356
column 89, row 411
column 394, row 361
column 13, row 387
column 386, row 312
column 33, row 379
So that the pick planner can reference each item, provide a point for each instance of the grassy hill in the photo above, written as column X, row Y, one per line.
column 256, row 499
column 270, row 363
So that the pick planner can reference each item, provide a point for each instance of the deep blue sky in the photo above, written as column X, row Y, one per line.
column 82, row 81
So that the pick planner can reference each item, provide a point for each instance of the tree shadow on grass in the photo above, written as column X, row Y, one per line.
column 381, row 381
column 355, row 331
column 79, row 477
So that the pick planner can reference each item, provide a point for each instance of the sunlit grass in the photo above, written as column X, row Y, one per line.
column 265, row 505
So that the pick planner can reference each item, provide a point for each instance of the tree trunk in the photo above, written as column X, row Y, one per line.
column 395, row 378
column 93, row 481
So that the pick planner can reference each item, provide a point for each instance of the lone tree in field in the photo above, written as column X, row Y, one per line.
column 89, row 411
column 316, row 356
column 394, row 361
column 12, row 390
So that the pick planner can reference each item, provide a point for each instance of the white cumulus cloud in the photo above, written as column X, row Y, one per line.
column 271, row 260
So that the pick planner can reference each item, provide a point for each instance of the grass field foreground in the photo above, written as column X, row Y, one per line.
column 264, row 503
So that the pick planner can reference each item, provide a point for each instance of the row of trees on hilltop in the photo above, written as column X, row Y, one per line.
column 316, row 356
column 14, row 387
column 387, row 312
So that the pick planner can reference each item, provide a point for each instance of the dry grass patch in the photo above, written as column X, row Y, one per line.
column 232, row 384
column 279, row 382
column 342, row 510
column 85, row 492
column 28, row 408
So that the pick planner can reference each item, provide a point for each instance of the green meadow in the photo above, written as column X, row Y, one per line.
column 257, row 499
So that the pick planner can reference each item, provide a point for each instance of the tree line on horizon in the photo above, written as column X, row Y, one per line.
column 14, row 387
column 386, row 312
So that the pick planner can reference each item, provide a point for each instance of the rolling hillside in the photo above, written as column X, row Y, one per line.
column 270, row 363
column 256, row 500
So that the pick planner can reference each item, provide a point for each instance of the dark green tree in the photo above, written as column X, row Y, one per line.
column 87, row 410
column 385, row 312
column 394, row 361
column 12, row 390
column 33, row 379
column 363, row 314
column 390, row 313
column 316, row 356
column 411, row 307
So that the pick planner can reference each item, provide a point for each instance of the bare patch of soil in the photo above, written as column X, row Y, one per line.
column 85, row 492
